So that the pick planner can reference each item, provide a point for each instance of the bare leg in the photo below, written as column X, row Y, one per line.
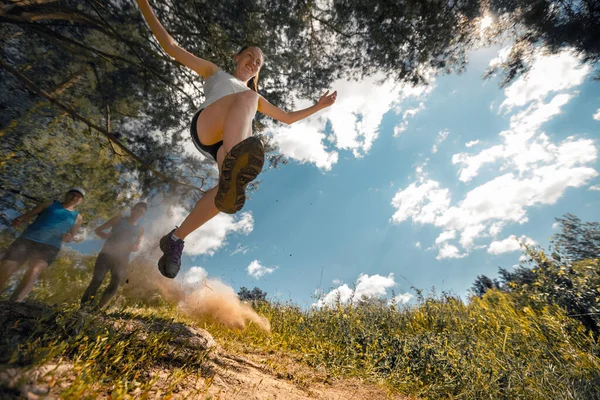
column 238, row 125
column 232, row 116
column 228, row 119
column 26, row 285
column 7, row 268
column 204, row 210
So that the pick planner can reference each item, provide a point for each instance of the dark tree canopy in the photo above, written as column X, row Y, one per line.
column 555, row 25
column 577, row 240
column 252, row 295
column 89, row 74
column 482, row 284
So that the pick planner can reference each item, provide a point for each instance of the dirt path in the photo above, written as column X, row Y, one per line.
column 222, row 375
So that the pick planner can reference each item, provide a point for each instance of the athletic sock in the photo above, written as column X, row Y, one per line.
column 174, row 237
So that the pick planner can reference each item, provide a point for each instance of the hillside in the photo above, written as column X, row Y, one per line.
column 49, row 353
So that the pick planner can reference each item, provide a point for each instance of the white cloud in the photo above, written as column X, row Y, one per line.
column 556, row 225
column 208, row 239
column 440, row 138
column 449, row 251
column 354, row 119
column 532, row 169
column 303, row 141
column 424, row 202
column 595, row 188
column 445, row 236
column 195, row 275
column 549, row 73
column 469, row 234
column 418, row 245
column 256, row 270
column 359, row 109
column 366, row 286
column 337, row 282
column 401, row 298
column 212, row 236
column 597, row 115
column 408, row 114
column 472, row 143
column 239, row 248
column 511, row 243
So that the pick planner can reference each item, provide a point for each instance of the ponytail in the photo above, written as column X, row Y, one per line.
column 253, row 83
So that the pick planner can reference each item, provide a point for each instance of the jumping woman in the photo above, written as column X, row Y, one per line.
column 222, row 130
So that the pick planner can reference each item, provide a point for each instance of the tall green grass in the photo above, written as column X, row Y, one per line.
column 491, row 348
column 501, row 346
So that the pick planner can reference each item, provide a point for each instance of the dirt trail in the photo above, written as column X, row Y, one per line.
column 223, row 375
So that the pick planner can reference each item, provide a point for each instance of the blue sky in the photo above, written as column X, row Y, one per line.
column 396, row 186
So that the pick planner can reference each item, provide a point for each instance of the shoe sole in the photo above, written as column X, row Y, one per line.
column 240, row 167
column 161, row 268
column 163, row 244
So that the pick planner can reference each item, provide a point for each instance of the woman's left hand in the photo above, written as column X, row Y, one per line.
column 327, row 99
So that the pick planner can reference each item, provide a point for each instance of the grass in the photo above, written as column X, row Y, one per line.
column 121, row 354
column 500, row 346
column 494, row 347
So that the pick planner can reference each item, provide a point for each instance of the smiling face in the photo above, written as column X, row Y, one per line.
column 248, row 63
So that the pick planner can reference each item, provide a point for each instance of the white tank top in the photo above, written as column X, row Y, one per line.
column 221, row 84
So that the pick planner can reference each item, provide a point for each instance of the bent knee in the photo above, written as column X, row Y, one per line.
column 248, row 96
column 38, row 267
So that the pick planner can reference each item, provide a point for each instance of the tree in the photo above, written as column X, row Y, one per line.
column 97, row 63
column 255, row 295
column 569, row 277
column 83, row 93
column 553, row 25
column 577, row 240
column 482, row 284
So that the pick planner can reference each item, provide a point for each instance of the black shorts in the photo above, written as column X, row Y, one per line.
column 207, row 150
column 22, row 250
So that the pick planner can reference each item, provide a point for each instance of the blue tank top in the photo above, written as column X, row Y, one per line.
column 50, row 225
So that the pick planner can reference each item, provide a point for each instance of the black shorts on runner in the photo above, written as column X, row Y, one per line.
column 23, row 249
column 211, row 149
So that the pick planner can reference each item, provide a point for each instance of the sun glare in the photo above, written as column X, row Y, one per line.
column 485, row 23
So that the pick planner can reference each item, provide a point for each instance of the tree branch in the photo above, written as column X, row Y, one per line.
column 73, row 113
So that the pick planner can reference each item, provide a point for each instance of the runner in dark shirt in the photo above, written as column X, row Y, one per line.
column 125, row 237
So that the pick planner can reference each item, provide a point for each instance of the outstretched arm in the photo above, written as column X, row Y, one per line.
column 30, row 214
column 197, row 64
column 290, row 117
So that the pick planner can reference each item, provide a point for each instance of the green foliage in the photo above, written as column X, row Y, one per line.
column 254, row 295
column 116, row 355
column 494, row 347
column 554, row 25
column 517, row 344
column 577, row 240
column 574, row 287
column 569, row 277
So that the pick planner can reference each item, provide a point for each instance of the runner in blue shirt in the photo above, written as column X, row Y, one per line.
column 55, row 222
